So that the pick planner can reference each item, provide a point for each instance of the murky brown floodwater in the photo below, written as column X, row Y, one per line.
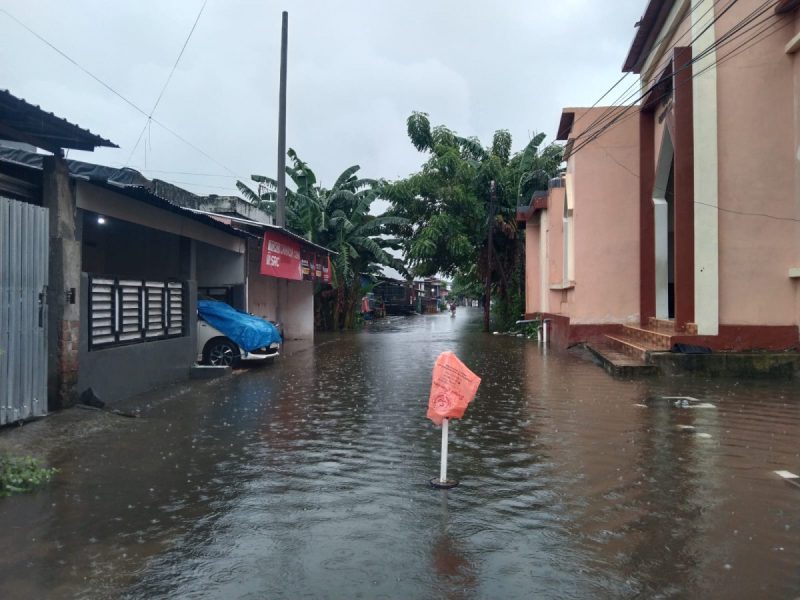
column 308, row 479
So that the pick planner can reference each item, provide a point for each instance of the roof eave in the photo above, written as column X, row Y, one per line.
column 565, row 125
column 44, row 129
column 786, row 6
column 648, row 27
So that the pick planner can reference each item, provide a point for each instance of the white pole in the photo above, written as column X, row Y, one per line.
column 544, row 328
column 443, row 470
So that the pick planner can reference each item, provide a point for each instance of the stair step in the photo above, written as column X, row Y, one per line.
column 617, row 362
column 649, row 338
column 668, row 326
column 661, row 324
column 633, row 348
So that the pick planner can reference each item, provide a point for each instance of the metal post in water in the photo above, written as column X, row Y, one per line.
column 443, row 469
column 442, row 482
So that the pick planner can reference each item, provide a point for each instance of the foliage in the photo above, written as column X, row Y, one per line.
column 22, row 474
column 506, row 311
column 450, row 208
column 338, row 219
column 466, row 284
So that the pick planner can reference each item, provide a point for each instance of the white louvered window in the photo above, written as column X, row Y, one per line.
column 126, row 311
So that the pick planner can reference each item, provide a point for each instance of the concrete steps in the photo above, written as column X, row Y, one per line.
column 627, row 352
column 618, row 362
column 652, row 339
column 630, row 347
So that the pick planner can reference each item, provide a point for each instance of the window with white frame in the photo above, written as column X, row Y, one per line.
column 130, row 311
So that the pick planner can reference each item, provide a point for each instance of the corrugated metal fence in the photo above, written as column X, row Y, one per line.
column 23, row 310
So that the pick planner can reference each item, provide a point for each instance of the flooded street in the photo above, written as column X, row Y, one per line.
column 308, row 478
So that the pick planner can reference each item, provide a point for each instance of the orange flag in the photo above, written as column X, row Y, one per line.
column 452, row 389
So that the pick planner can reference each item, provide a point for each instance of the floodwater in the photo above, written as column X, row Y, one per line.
column 308, row 478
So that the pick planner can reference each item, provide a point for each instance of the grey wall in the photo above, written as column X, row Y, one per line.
column 118, row 373
column 218, row 267
column 124, row 249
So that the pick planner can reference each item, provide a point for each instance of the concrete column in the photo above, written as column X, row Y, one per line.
column 64, row 287
column 647, row 258
column 684, row 208
column 706, row 215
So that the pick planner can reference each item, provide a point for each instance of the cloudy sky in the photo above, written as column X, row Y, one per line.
column 357, row 69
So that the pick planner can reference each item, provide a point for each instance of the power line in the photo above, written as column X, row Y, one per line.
column 192, row 173
column 609, row 115
column 204, row 185
column 735, row 32
column 626, row 93
column 745, row 26
column 74, row 62
column 119, row 95
column 166, row 83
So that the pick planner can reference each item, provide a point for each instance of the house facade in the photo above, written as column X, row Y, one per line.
column 124, row 320
column 284, row 294
column 101, row 270
column 581, row 235
column 709, row 244
column 719, row 193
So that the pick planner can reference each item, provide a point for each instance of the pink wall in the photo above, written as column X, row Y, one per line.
column 555, row 244
column 605, row 225
column 532, row 275
column 757, row 124
column 796, row 69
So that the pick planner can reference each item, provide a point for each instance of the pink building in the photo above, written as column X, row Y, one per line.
column 718, row 195
column 710, row 242
column 582, row 235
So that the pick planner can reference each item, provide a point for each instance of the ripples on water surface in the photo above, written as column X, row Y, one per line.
column 308, row 479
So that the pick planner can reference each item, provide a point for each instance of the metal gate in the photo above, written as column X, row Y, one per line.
column 23, row 310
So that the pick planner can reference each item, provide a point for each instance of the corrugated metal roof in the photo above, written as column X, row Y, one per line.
column 25, row 122
column 128, row 185
column 143, row 194
column 262, row 226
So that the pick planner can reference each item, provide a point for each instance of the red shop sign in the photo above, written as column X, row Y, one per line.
column 280, row 256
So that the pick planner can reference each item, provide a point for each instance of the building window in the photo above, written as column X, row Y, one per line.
column 568, row 272
column 125, row 311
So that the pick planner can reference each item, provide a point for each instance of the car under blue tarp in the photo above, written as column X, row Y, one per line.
column 248, row 331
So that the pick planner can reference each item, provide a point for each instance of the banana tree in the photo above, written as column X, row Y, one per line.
column 338, row 219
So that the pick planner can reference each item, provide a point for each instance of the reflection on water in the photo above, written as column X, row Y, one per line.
column 308, row 478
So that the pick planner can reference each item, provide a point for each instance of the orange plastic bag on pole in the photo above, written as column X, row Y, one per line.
column 453, row 388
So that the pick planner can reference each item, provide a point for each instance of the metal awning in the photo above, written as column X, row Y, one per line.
column 261, row 226
column 21, row 121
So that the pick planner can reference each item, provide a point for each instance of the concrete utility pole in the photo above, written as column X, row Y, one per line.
column 280, row 207
column 487, row 293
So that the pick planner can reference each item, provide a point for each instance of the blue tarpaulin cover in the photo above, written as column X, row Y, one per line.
column 247, row 331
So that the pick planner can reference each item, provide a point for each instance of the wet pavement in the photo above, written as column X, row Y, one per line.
column 308, row 478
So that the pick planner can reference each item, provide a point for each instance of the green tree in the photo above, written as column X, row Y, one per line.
column 461, row 205
column 338, row 219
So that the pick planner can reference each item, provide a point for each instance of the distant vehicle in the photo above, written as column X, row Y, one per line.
column 226, row 336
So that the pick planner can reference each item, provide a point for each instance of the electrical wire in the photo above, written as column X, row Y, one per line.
column 166, row 83
column 192, row 173
column 764, row 26
column 119, row 95
column 610, row 113
column 735, row 32
column 610, row 110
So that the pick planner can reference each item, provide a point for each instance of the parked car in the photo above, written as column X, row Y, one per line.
column 226, row 336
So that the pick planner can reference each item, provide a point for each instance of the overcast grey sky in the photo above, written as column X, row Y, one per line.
column 357, row 69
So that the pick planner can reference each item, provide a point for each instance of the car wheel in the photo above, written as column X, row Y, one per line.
column 221, row 352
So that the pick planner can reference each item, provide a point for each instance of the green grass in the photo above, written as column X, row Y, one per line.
column 20, row 474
